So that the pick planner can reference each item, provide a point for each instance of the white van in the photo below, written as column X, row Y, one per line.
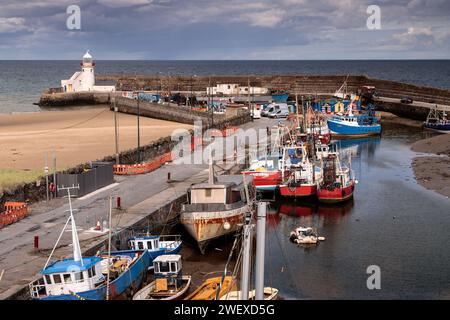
column 256, row 112
column 278, row 110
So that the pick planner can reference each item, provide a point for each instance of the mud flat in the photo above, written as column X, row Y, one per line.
column 433, row 172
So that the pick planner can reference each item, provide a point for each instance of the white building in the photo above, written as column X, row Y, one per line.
column 230, row 89
column 84, row 80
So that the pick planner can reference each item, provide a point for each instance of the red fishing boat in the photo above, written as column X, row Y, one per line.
column 300, row 180
column 266, row 173
column 337, row 184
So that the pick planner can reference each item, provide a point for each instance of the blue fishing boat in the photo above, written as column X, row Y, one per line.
column 437, row 121
column 354, row 126
column 280, row 97
column 90, row 278
column 156, row 245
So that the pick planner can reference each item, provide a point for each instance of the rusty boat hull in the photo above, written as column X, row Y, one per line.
column 205, row 226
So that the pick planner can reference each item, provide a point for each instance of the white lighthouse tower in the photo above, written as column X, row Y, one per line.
column 84, row 80
column 87, row 73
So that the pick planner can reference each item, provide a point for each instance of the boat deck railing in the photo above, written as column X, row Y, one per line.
column 209, row 207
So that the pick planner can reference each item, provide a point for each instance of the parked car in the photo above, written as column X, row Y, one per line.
column 406, row 100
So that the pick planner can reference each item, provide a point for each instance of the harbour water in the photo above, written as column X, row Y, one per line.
column 21, row 82
column 393, row 223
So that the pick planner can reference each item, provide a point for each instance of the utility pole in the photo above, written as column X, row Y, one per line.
column 116, row 132
column 54, row 173
column 138, row 125
column 46, row 176
column 260, row 250
column 109, row 247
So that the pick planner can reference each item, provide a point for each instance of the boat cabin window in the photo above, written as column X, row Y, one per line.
column 140, row 245
column 164, row 267
column 48, row 279
column 67, row 278
column 150, row 245
column 208, row 193
column 57, row 278
column 173, row 266
column 156, row 244
column 91, row 272
column 79, row 276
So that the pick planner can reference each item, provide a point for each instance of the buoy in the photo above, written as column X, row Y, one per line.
column 321, row 238
column 98, row 227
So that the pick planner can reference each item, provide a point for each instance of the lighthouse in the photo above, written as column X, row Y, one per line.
column 84, row 80
column 87, row 73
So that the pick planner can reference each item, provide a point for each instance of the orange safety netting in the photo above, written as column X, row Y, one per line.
column 15, row 211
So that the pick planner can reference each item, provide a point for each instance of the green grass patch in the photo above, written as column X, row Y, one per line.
column 11, row 178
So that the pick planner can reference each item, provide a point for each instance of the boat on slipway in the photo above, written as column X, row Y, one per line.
column 216, row 208
column 437, row 120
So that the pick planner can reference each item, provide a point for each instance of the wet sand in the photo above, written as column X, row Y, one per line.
column 76, row 136
column 433, row 172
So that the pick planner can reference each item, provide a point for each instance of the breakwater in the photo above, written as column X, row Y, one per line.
column 180, row 114
column 301, row 84
column 305, row 85
column 52, row 97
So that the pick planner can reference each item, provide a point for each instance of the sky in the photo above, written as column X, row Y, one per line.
column 225, row 30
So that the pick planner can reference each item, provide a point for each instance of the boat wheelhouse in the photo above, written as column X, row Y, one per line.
column 169, row 283
column 301, row 175
column 337, row 183
column 156, row 245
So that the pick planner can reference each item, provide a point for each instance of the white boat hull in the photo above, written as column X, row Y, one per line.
column 143, row 294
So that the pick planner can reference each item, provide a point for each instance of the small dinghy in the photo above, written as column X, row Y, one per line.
column 305, row 235
column 269, row 294
column 169, row 284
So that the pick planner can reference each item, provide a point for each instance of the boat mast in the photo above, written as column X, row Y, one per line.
column 109, row 248
column 75, row 241
column 260, row 250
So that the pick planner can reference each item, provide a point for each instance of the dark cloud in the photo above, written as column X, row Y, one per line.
column 219, row 29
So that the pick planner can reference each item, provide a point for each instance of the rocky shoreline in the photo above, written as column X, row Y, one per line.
column 433, row 171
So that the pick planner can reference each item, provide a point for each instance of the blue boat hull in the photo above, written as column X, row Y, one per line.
column 340, row 129
column 131, row 278
column 437, row 127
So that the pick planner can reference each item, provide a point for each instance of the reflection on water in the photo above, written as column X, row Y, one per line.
column 392, row 222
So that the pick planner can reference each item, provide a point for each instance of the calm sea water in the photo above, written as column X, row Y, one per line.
column 21, row 82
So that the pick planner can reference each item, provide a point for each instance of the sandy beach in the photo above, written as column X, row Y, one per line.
column 433, row 172
column 76, row 136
